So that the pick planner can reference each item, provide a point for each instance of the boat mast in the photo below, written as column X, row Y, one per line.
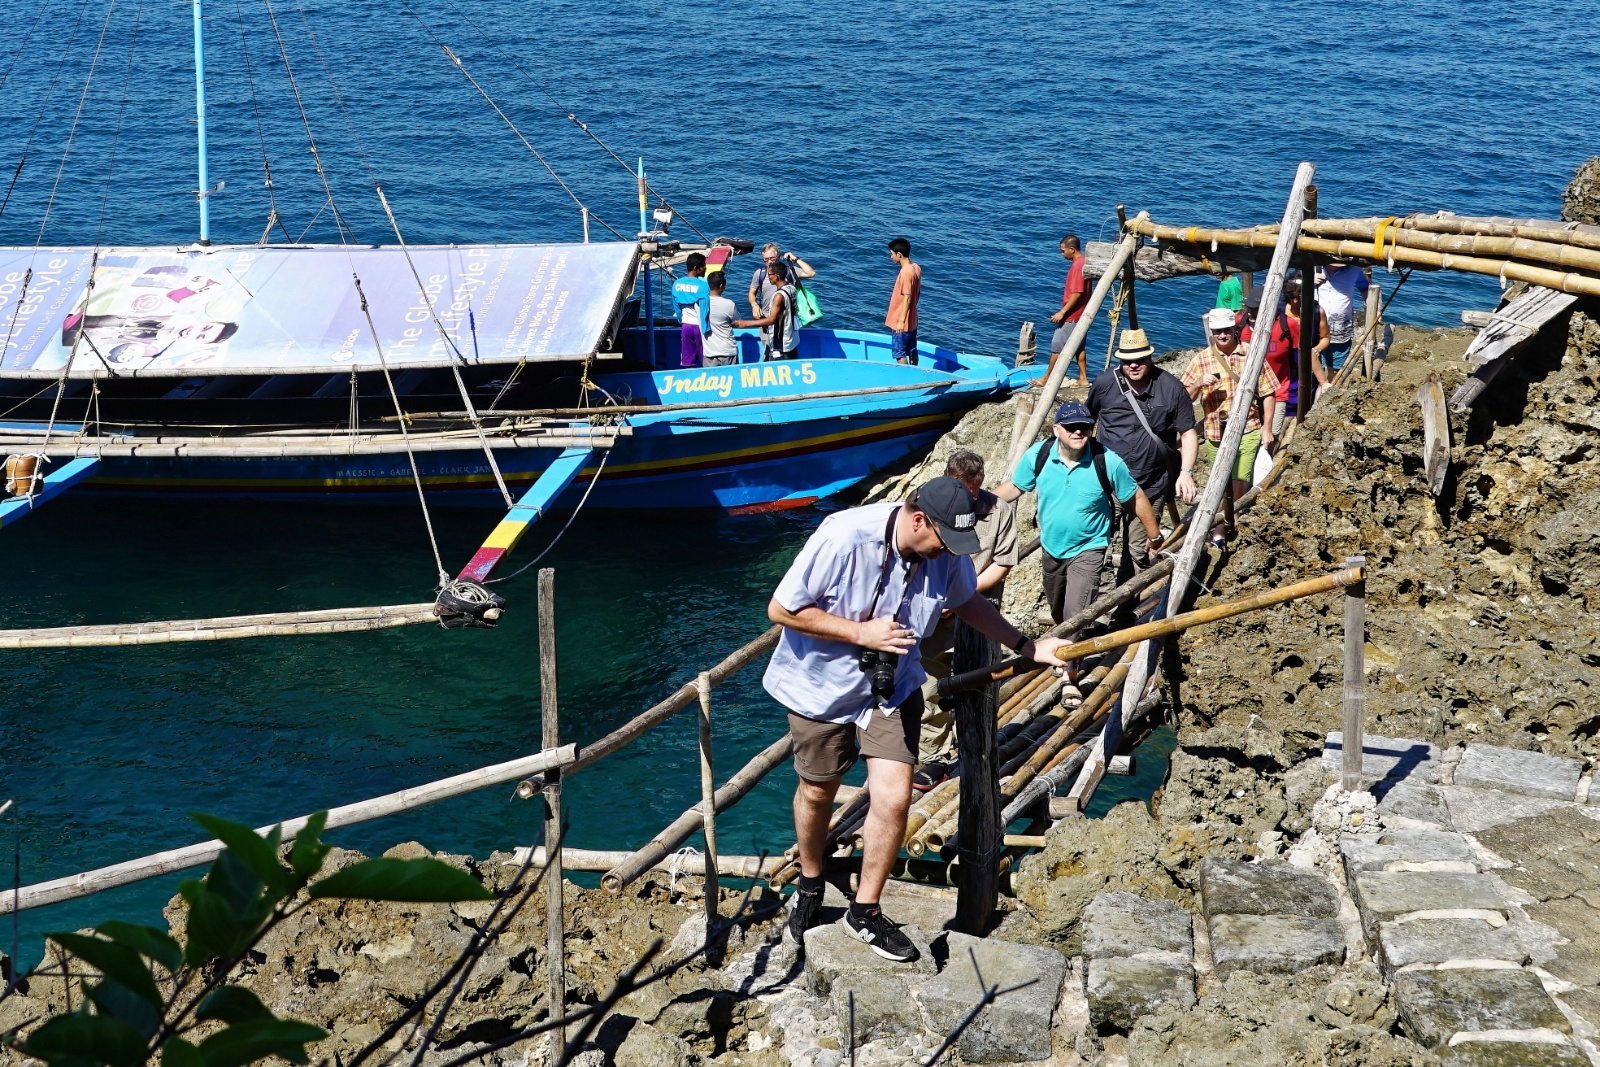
column 203, row 194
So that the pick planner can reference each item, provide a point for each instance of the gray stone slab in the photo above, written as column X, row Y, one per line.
column 1516, row 770
column 1473, row 809
column 1437, row 1005
column 880, row 1005
column 1374, row 852
column 1384, row 757
column 1122, row 991
column 1413, row 801
column 1513, row 1054
column 1384, row 895
column 1232, row 887
column 1443, row 940
column 1124, row 924
column 1273, row 944
column 1015, row 1027
column 831, row 951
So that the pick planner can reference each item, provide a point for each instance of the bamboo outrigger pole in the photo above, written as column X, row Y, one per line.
column 1219, row 480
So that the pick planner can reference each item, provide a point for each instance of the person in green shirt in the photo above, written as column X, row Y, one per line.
column 1076, row 479
column 1231, row 291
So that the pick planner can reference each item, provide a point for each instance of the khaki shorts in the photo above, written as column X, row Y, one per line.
column 825, row 750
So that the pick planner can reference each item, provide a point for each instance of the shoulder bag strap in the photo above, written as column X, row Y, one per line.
column 1133, row 401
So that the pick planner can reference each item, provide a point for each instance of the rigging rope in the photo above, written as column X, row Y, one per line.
column 525, row 143
column 405, row 435
column 44, row 102
column 572, row 118
column 23, row 47
column 261, row 133
column 116, row 135
column 72, row 131
column 345, row 232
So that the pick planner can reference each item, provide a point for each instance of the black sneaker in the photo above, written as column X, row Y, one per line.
column 883, row 936
column 805, row 912
column 929, row 775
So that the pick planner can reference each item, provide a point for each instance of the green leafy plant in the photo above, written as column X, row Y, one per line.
column 157, row 997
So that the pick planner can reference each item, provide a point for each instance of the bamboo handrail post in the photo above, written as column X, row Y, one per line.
column 1272, row 291
column 1128, row 276
column 87, row 883
column 649, row 719
column 708, row 798
column 676, row 832
column 550, row 725
column 1355, row 686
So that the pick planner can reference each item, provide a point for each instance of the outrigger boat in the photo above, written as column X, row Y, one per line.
column 475, row 372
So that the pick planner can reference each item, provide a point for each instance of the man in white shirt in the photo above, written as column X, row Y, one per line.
column 867, row 588
column 722, row 348
column 1336, row 296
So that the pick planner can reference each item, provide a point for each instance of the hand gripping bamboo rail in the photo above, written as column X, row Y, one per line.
column 643, row 723
column 680, row 828
column 90, row 882
column 224, row 628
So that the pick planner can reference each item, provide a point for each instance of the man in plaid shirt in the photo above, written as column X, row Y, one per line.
column 1212, row 378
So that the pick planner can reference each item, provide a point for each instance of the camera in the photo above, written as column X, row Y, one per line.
column 879, row 667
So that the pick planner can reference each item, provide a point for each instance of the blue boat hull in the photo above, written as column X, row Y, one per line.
column 774, row 435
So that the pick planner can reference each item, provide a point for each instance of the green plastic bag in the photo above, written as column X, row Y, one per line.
column 806, row 306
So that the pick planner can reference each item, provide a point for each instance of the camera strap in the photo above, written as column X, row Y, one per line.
column 890, row 551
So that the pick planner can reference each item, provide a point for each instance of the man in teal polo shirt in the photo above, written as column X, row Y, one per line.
column 1076, row 480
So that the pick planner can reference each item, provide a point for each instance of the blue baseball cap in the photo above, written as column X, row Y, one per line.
column 1072, row 413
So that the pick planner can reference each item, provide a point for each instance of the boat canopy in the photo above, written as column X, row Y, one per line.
column 254, row 309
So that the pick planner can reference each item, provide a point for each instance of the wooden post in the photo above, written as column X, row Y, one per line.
column 978, row 750
column 1369, row 350
column 708, row 801
column 1355, row 683
column 1025, row 402
column 1027, row 345
column 555, row 934
column 1205, row 510
column 1308, row 314
column 1127, row 277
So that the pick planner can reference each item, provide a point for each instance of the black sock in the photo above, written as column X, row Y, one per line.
column 860, row 910
column 809, row 884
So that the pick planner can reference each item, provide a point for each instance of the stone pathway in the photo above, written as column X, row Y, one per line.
column 1470, row 877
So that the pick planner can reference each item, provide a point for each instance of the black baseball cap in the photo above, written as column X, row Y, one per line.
column 950, row 507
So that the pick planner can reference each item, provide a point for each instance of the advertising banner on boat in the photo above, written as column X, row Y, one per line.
column 258, row 310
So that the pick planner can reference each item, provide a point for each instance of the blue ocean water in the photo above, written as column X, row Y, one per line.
column 980, row 132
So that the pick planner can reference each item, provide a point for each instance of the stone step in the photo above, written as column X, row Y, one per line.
column 1273, row 944
column 1516, row 770
column 1119, row 925
column 1014, row 1027
column 1382, row 896
column 1437, row 1005
column 1413, row 803
column 1513, row 1054
column 1435, row 941
column 1122, row 990
column 1383, row 758
column 1233, row 887
column 1404, row 849
column 832, row 951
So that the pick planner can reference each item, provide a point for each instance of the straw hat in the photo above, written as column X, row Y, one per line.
column 1134, row 345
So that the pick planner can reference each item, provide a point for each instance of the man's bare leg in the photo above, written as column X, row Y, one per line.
column 813, row 808
column 1083, row 366
column 889, row 786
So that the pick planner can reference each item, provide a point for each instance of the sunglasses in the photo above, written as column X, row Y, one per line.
column 1079, row 429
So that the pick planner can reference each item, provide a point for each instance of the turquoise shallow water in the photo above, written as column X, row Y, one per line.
column 981, row 132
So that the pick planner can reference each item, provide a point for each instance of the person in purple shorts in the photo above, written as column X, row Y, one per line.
column 692, row 295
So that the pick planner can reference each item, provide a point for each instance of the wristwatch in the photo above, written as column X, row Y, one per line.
column 1017, row 648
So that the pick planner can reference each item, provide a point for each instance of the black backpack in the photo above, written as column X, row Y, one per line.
column 1097, row 456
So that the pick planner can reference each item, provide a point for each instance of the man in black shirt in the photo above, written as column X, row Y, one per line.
column 1146, row 417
